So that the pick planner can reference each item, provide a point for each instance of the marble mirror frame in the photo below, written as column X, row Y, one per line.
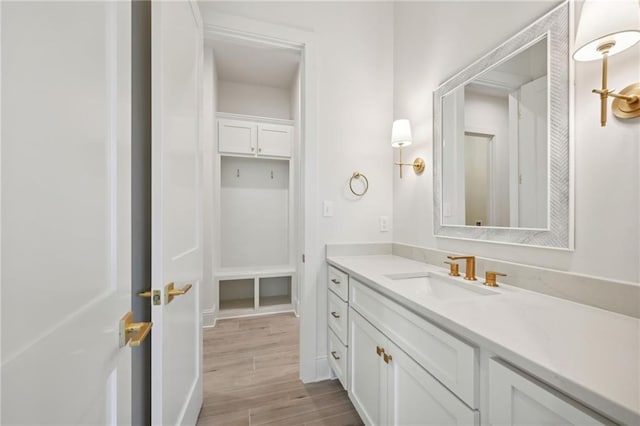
column 559, row 231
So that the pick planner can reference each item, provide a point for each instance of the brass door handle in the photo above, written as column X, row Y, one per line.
column 128, row 328
column 335, row 315
column 333, row 280
column 387, row 358
column 147, row 293
column 379, row 350
column 170, row 292
column 333, row 354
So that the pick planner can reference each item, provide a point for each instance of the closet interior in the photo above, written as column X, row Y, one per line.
column 255, row 176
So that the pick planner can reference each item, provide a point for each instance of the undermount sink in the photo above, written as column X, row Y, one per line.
column 425, row 284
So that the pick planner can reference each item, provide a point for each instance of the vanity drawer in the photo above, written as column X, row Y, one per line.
column 447, row 358
column 339, row 283
column 338, row 358
column 338, row 319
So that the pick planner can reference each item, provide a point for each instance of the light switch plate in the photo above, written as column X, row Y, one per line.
column 384, row 224
column 327, row 208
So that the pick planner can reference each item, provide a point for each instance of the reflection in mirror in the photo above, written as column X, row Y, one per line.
column 501, row 142
column 495, row 145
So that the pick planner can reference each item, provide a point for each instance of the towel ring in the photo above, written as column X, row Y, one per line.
column 358, row 175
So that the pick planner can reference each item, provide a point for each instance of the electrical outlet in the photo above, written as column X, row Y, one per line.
column 384, row 224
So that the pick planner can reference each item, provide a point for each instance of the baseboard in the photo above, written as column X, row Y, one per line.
column 323, row 370
column 208, row 318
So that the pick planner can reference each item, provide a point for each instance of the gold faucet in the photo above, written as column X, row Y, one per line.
column 454, row 269
column 470, row 270
column 490, row 278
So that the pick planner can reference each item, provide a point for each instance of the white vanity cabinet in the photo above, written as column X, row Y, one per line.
column 338, row 322
column 516, row 399
column 388, row 387
column 249, row 137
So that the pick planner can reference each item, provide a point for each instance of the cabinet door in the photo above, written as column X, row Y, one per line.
column 517, row 400
column 367, row 370
column 274, row 140
column 237, row 137
column 416, row 398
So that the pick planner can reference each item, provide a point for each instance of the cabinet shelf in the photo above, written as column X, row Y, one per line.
column 255, row 118
column 250, row 294
column 237, row 304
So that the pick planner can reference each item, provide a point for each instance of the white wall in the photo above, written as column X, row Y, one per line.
column 251, row 99
column 428, row 50
column 354, row 77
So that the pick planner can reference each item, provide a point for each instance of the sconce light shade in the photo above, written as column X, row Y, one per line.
column 401, row 133
column 603, row 22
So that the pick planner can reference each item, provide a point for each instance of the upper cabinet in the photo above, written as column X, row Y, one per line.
column 250, row 137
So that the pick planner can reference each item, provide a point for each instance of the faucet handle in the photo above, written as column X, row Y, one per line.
column 490, row 278
column 454, row 269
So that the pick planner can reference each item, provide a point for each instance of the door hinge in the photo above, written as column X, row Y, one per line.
column 303, row 258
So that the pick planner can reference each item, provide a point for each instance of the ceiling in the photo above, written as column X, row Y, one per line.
column 262, row 65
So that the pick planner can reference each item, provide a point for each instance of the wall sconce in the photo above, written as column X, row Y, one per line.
column 606, row 28
column 401, row 136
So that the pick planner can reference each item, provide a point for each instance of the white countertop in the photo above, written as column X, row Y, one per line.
column 588, row 353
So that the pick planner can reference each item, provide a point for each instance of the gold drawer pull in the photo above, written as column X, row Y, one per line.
column 387, row 358
column 335, row 281
column 333, row 354
column 128, row 327
column 335, row 315
column 170, row 292
column 379, row 350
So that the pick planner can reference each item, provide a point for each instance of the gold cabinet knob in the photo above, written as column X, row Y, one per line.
column 379, row 350
column 128, row 328
column 387, row 358
column 490, row 278
column 170, row 292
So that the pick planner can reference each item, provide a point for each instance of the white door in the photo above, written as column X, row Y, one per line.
column 176, row 212
column 65, row 198
column 532, row 155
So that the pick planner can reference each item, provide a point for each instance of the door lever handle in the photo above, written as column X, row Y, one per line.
column 146, row 293
column 170, row 292
column 128, row 328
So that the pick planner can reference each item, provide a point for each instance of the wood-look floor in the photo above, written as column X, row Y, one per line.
column 251, row 378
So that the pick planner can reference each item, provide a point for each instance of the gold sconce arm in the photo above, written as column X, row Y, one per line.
column 626, row 103
column 418, row 164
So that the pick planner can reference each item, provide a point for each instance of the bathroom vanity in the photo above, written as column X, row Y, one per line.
column 422, row 347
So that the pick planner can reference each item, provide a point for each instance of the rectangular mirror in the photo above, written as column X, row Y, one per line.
column 501, row 142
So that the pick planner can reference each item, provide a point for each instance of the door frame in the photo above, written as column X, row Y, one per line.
column 312, row 366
